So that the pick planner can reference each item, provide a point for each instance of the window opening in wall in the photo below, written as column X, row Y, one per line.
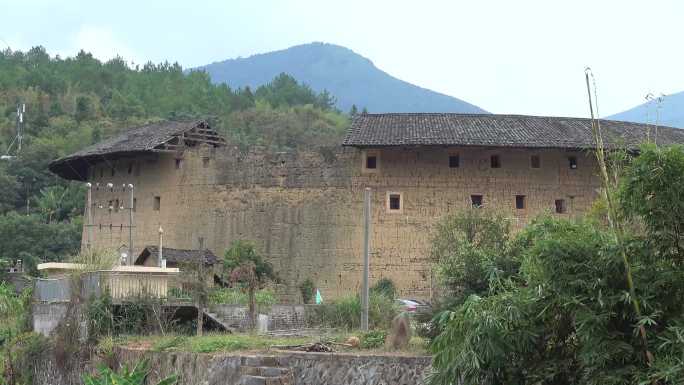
column 535, row 161
column 157, row 203
column 101, row 173
column 454, row 161
column 135, row 204
column 519, row 202
column 560, row 206
column 179, row 164
column 113, row 171
column 205, row 162
column 130, row 168
column 495, row 161
column 572, row 162
column 395, row 202
column 476, row 200
column 371, row 162
column 200, row 242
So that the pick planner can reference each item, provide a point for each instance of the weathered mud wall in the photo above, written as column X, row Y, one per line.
column 304, row 209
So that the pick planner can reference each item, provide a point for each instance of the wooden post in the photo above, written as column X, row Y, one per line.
column 366, row 257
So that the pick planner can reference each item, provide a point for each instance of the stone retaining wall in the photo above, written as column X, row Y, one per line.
column 280, row 317
column 225, row 369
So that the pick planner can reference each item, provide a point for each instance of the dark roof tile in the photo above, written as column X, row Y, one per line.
column 445, row 129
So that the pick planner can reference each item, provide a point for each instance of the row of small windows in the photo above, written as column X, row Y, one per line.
column 476, row 200
column 494, row 161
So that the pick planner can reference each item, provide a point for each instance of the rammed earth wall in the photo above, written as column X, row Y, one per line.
column 304, row 209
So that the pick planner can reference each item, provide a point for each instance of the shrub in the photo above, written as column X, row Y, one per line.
column 137, row 376
column 385, row 287
column 307, row 289
column 373, row 339
column 345, row 312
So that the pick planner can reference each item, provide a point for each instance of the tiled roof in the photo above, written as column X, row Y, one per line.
column 377, row 130
column 177, row 255
column 138, row 139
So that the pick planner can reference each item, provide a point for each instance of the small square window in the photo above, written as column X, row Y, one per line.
column 179, row 164
column 157, row 203
column 519, row 202
column 454, row 161
column 476, row 200
column 395, row 202
column 495, row 161
column 205, row 162
column 572, row 162
column 535, row 161
column 560, row 206
column 371, row 162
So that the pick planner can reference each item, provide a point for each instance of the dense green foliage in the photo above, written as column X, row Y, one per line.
column 345, row 312
column 76, row 101
column 565, row 316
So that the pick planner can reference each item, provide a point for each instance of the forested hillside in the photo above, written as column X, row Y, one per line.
column 74, row 102
column 352, row 78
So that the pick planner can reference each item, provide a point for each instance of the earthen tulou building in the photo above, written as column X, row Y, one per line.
column 304, row 209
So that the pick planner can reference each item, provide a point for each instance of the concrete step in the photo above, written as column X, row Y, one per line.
column 259, row 361
column 264, row 371
column 260, row 380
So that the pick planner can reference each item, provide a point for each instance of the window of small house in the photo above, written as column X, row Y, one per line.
column 495, row 161
column 535, row 161
column 113, row 171
column 454, row 161
column 476, row 200
column 130, row 168
column 157, row 203
column 101, row 173
column 519, row 202
column 394, row 202
column 560, row 206
column 371, row 162
column 572, row 162
column 179, row 164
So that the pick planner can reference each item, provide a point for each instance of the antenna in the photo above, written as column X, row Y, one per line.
column 21, row 111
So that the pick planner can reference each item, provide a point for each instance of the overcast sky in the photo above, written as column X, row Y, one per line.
column 523, row 57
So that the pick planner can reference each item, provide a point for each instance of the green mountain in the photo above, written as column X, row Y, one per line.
column 352, row 78
column 669, row 112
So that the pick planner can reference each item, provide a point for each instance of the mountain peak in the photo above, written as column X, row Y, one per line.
column 350, row 77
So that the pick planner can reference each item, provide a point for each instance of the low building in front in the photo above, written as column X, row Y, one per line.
column 304, row 209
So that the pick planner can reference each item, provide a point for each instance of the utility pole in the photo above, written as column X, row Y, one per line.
column 89, row 207
column 366, row 256
column 130, row 227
